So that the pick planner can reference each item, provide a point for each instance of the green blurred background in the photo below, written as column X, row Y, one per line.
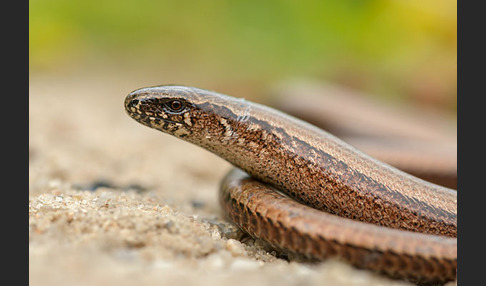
column 402, row 50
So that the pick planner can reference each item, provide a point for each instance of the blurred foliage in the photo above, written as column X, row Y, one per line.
column 394, row 48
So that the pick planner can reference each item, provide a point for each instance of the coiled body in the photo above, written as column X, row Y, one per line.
column 371, row 214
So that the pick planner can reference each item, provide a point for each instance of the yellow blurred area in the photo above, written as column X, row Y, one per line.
column 393, row 49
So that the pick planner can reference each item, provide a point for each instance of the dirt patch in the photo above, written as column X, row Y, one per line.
column 112, row 202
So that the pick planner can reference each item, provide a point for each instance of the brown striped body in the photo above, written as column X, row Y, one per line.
column 315, row 168
column 318, row 235
column 419, row 141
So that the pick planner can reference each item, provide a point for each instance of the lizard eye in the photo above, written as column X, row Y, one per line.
column 175, row 106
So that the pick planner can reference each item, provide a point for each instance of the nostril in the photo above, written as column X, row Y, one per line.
column 133, row 103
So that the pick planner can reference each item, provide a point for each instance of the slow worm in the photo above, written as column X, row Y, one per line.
column 345, row 204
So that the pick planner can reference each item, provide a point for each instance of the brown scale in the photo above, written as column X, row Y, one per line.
column 242, row 197
column 333, row 195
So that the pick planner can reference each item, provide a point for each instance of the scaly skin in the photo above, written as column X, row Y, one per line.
column 416, row 220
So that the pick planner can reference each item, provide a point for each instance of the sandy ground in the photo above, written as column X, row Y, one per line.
column 112, row 202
